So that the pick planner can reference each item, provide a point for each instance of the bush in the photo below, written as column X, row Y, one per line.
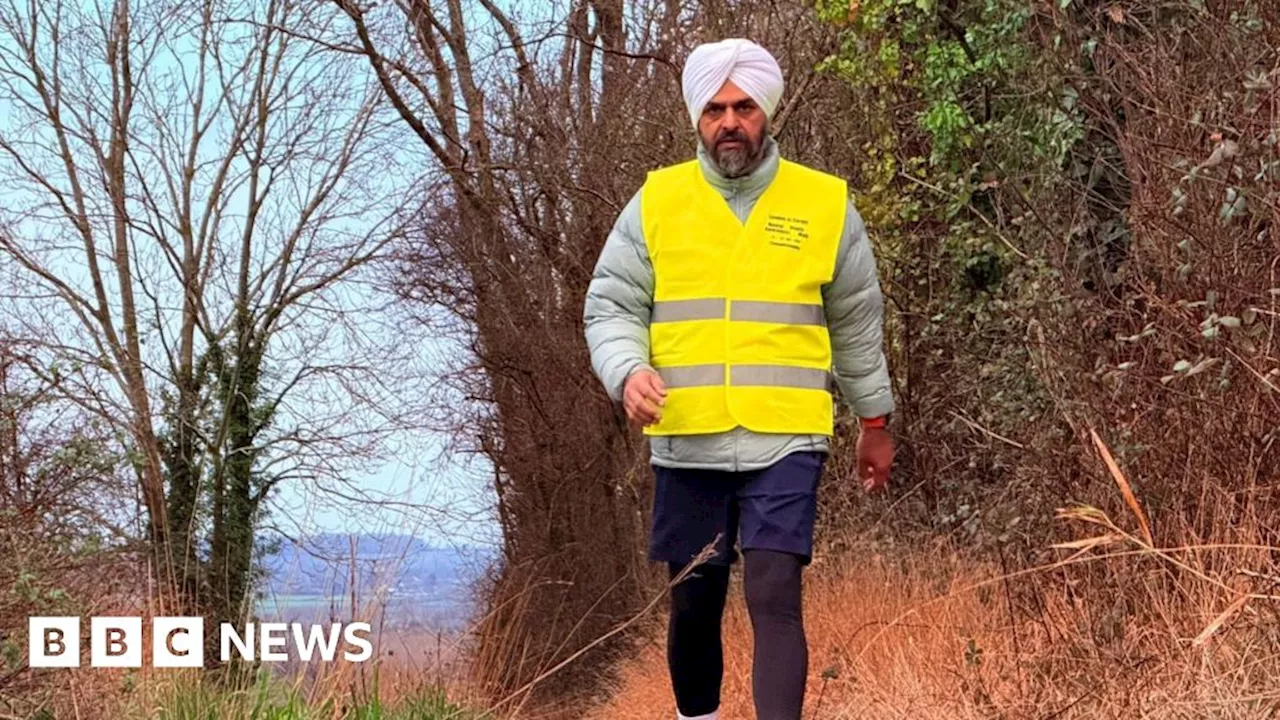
column 61, row 552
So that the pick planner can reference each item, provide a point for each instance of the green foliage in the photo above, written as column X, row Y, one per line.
column 964, row 138
column 270, row 699
column 954, row 145
column 10, row 654
column 955, row 148
column 212, row 452
column 962, row 71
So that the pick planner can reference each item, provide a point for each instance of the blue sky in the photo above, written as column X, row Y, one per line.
column 441, row 502
column 441, row 497
column 398, row 477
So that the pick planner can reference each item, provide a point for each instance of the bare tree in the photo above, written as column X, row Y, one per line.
column 194, row 197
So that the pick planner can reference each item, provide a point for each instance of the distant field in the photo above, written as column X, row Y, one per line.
column 447, row 609
column 402, row 582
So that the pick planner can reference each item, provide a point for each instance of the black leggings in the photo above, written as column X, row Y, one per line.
column 694, row 651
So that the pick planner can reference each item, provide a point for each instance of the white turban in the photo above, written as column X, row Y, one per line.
column 748, row 65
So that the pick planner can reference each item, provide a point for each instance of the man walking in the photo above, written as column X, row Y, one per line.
column 732, row 290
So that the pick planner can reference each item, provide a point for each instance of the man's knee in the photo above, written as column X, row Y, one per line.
column 773, row 584
column 701, row 594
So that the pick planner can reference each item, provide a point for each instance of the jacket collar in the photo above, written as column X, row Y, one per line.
column 753, row 183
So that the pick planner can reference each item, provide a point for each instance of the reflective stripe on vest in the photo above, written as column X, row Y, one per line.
column 681, row 310
column 740, row 310
column 684, row 376
column 738, row 330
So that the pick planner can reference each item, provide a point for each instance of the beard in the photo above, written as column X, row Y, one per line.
column 734, row 161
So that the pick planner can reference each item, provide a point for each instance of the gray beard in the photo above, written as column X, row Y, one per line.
column 735, row 162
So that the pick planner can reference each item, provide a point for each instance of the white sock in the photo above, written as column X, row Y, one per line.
column 713, row 715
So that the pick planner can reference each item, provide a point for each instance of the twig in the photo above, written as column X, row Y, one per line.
column 781, row 124
column 1259, row 576
column 1072, row 704
column 1261, row 378
column 706, row 554
column 821, row 692
column 969, row 206
column 985, row 431
column 1013, row 621
column 1121, row 482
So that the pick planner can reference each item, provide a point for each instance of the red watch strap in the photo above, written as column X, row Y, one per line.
column 876, row 422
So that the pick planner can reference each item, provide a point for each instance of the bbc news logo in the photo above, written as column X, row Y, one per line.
column 178, row 642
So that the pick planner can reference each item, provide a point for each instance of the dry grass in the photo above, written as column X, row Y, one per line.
column 930, row 641
column 1110, row 627
column 393, row 686
column 884, row 662
column 411, row 666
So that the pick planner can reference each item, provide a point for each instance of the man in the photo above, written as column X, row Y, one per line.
column 730, row 290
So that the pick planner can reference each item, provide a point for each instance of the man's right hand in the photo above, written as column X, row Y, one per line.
column 643, row 396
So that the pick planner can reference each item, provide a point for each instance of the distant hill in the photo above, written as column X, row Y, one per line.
column 422, row 585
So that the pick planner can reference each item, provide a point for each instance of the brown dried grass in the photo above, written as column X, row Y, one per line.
column 1112, row 627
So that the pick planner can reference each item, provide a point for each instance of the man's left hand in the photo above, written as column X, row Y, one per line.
column 875, row 457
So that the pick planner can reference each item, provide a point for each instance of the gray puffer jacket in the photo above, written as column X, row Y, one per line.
column 620, row 299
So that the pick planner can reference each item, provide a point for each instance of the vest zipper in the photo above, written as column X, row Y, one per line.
column 728, row 324
column 736, row 205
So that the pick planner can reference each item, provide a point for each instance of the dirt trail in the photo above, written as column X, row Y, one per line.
column 934, row 641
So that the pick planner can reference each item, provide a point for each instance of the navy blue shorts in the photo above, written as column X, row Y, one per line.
column 768, row 509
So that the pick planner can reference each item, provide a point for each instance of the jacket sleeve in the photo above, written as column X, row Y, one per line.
column 619, row 303
column 855, row 318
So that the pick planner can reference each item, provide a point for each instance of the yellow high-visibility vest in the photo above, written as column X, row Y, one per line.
column 738, row 331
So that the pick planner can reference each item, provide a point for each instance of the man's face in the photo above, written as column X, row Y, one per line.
column 732, row 128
